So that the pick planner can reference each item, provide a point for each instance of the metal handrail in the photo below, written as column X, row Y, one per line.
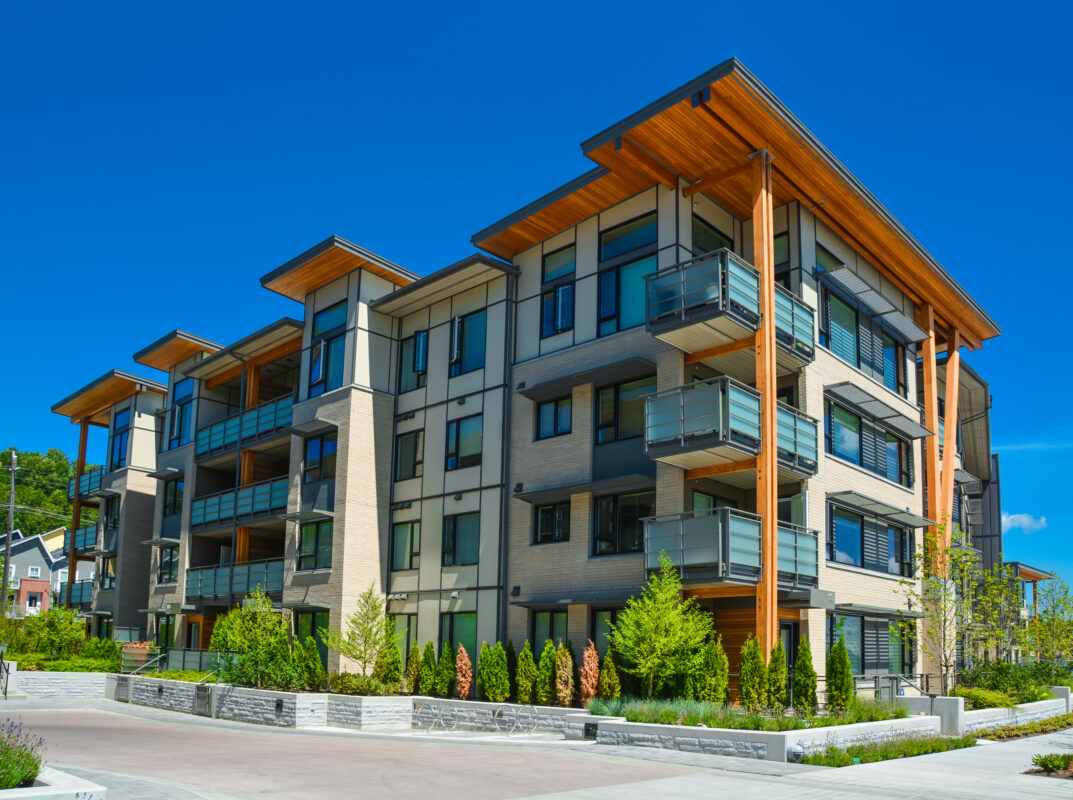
column 705, row 544
column 225, row 432
column 215, row 671
column 147, row 664
column 240, row 495
column 730, row 284
column 5, row 674
column 718, row 406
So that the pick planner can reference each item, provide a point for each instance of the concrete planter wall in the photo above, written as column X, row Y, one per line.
column 477, row 715
column 169, row 695
column 956, row 720
column 60, row 684
column 370, row 713
column 264, row 707
column 51, row 784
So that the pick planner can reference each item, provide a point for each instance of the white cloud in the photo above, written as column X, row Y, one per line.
column 1034, row 446
column 1026, row 522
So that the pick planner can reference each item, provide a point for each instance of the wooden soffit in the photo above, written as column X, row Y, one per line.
column 451, row 280
column 94, row 401
column 176, row 346
column 275, row 340
column 331, row 259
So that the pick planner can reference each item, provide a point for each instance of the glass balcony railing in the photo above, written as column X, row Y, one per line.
column 798, row 554
column 719, row 411
column 719, row 543
column 90, row 482
column 81, row 593
column 246, row 501
column 272, row 416
column 85, row 539
column 794, row 320
column 238, row 579
column 711, row 284
column 798, row 438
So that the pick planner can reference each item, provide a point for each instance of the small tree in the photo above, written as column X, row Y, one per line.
column 752, row 682
column 310, row 667
column 804, row 678
column 427, row 673
column 368, row 628
column 464, row 673
column 590, row 673
column 526, row 676
column 388, row 667
column 413, row 671
column 512, row 667
column 608, row 686
column 483, row 666
column 777, row 677
column 657, row 633
column 545, row 682
column 58, row 631
column 255, row 645
column 1050, row 635
column 564, row 677
column 497, row 682
column 840, row 689
column 713, row 673
column 445, row 672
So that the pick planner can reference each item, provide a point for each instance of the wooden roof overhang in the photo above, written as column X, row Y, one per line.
column 94, row 401
column 704, row 132
column 1029, row 574
column 974, row 412
column 170, row 349
column 458, row 277
column 331, row 259
column 278, row 339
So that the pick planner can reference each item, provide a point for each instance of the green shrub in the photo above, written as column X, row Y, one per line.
column 352, row 683
column 413, row 671
column 58, row 632
column 752, row 680
column 526, row 676
column 545, row 682
column 308, row 665
column 255, row 646
column 804, row 678
column 496, row 677
column 483, row 665
column 1025, row 683
column 78, row 664
column 564, row 677
column 388, row 667
column 840, row 689
column 984, row 698
column 512, row 668
column 884, row 751
column 777, row 677
column 427, row 679
column 102, row 648
column 21, row 754
column 190, row 675
column 712, row 673
column 445, row 672
column 606, row 707
column 607, row 685
column 1049, row 725
column 1053, row 762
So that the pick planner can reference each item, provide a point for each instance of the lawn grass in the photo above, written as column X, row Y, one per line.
column 886, row 751
column 192, row 675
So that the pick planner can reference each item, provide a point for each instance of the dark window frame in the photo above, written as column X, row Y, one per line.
column 555, row 295
column 448, row 634
column 610, row 271
column 417, row 463
column 600, row 427
column 556, row 406
column 418, row 366
column 833, row 511
column 312, row 614
column 454, row 436
column 314, row 467
column 167, row 565
column 553, row 613
column 413, row 554
column 309, row 560
column 555, row 537
column 324, row 346
column 173, row 497
column 180, row 415
column 693, row 235
column 106, row 579
column 459, row 351
column 616, row 533
column 119, row 440
column 634, row 253
column 450, row 540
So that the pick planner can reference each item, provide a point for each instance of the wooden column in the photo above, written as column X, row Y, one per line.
column 767, row 468
column 953, row 364
column 253, row 385
column 76, row 507
column 931, row 416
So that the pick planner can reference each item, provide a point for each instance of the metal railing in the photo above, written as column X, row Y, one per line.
column 155, row 661
column 238, row 579
column 720, row 410
column 245, row 501
column 196, row 660
column 799, row 551
column 81, row 592
column 90, row 482
column 85, row 538
column 714, row 283
column 5, row 675
column 798, row 439
column 265, row 418
column 723, row 539
column 794, row 324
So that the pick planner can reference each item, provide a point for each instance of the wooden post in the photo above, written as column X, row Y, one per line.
column 76, row 507
column 931, row 416
column 253, row 385
column 946, row 499
column 767, row 468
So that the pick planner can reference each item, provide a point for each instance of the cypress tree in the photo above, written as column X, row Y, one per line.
column 777, row 677
column 497, row 682
column 564, row 677
column 388, row 667
column 840, row 688
column 752, row 682
column 607, row 685
column 427, row 675
column 713, row 673
column 445, row 672
column 482, row 673
column 413, row 671
column 545, row 682
column 512, row 667
column 526, row 675
column 804, row 678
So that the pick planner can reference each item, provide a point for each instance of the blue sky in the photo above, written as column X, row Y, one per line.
column 147, row 148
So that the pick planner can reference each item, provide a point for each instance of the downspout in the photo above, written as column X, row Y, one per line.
column 238, row 482
column 504, row 537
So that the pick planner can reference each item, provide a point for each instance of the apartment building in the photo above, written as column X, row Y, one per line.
column 716, row 347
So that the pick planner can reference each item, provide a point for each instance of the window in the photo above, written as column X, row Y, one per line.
column 327, row 349
column 618, row 522
column 467, row 343
column 315, row 546
column 899, row 552
column 851, row 631
column 117, row 454
column 840, row 334
column 460, row 628
column 107, row 579
column 898, row 460
column 899, row 651
column 706, row 237
column 893, row 364
column 552, row 523
column 461, row 539
column 628, row 237
column 602, row 620
column 409, row 455
column 406, row 545
column 168, row 568
column 843, row 433
column 465, row 442
column 827, row 260
column 320, row 452
column 861, row 442
column 311, row 623
column 620, row 412
column 875, row 644
column 413, row 362
column 33, row 572
column 182, row 404
column 621, row 296
column 847, row 537
column 173, row 497
column 553, row 418
column 405, row 633
column 781, row 251
column 557, row 296
column 33, row 599
column 165, row 631
column 548, row 625
column 111, row 512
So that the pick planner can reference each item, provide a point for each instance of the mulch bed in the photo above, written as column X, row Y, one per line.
column 1067, row 774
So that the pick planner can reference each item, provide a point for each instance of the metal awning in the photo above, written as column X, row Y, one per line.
column 166, row 473
column 617, row 372
column 307, row 516
column 573, row 598
column 878, row 611
column 877, row 303
column 889, row 417
column 313, row 426
column 961, row 476
column 163, row 541
column 98, row 613
column 877, row 508
column 608, row 486
column 302, row 605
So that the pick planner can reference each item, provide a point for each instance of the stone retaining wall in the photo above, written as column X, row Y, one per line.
column 1019, row 715
column 157, row 693
column 477, row 715
column 370, row 713
column 60, row 684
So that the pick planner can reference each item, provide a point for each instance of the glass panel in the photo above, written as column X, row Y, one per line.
column 631, row 309
column 893, row 460
column 847, row 434
column 601, row 630
column 541, row 628
column 707, row 238
column 852, row 633
column 564, row 314
column 605, row 419
column 559, row 264
column 562, row 416
column 547, row 315
column 843, row 329
column 467, row 538
column 400, row 546
column 890, row 363
column 607, row 300
column 465, row 633
column 329, row 318
column 848, row 534
column 334, row 367
column 473, row 342
column 628, row 236
column 545, row 420
column 631, row 508
column 895, row 649
column 324, row 546
column 703, row 503
column 604, row 530
column 631, row 406
column 470, row 438
column 782, row 249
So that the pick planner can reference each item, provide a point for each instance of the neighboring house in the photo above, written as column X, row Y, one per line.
column 30, row 572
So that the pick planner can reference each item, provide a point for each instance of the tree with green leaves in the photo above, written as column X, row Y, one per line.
column 777, row 677
column 427, row 674
column 564, row 676
column 388, row 666
column 254, row 644
column 483, row 665
column 804, row 678
column 658, row 632
column 41, row 490
column 413, row 671
column 712, row 674
column 59, row 632
column 308, row 664
column 995, row 616
column 445, row 672
column 496, row 679
column 1050, row 634
column 607, row 685
column 840, row 688
column 752, row 680
column 512, row 667
column 526, row 676
column 368, row 628
column 545, row 682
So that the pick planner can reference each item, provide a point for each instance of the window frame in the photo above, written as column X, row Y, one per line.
column 556, row 412
column 553, row 613
column 602, row 647
column 558, row 291
column 323, row 346
column 106, row 580
column 633, row 254
column 830, row 440
column 459, row 349
column 319, row 527
column 451, row 638
column 453, row 444
column 167, row 570
column 413, row 554
column 119, row 440
column 834, row 511
column 33, row 571
column 417, row 465
column 599, row 427
column 450, row 532
column 314, row 630
column 313, row 467
column 555, row 508
column 693, row 236
column 173, row 497
column 616, row 511
column 418, row 361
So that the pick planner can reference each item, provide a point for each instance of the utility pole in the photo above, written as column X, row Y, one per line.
column 10, row 532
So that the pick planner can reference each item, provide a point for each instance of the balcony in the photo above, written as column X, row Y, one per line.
column 245, row 502
column 81, row 593
column 794, row 330
column 798, row 555
column 714, row 545
column 85, row 540
column 797, row 436
column 240, row 579
column 714, row 422
column 251, row 424
column 89, row 483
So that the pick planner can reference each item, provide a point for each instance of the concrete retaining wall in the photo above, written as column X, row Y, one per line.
column 263, row 707
column 60, row 684
column 477, row 715
column 1019, row 715
column 169, row 695
column 370, row 713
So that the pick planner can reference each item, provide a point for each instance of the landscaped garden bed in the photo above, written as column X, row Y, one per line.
column 1053, row 765
column 1034, row 728
column 833, row 756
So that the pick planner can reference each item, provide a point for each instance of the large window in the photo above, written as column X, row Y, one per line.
column 841, row 329
column 898, row 460
column 875, row 644
column 107, row 576
column 315, row 545
column 320, row 456
column 110, row 512
column 547, row 625
column 553, row 418
column 117, row 453
column 168, row 568
column 467, row 342
column 405, row 545
column 707, row 237
column 165, row 631
column 173, row 497
column 893, row 364
column 628, row 251
column 557, row 294
column 465, row 442
column 620, row 410
column 409, row 455
column 602, row 620
column 413, row 362
column 326, row 352
column 862, row 442
column 461, row 539
column 899, row 552
column 311, row 623
column 618, row 522
column 851, row 631
column 552, row 523
column 847, row 537
column 460, row 628
column 843, row 433
column 628, row 237
column 405, row 633
column 182, row 404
